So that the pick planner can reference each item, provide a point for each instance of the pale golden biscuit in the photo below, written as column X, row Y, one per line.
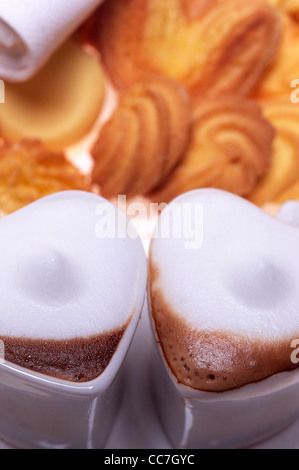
column 230, row 148
column 282, row 179
column 144, row 139
column 60, row 104
column 211, row 46
column 29, row 171
column 288, row 6
column 289, row 194
column 278, row 79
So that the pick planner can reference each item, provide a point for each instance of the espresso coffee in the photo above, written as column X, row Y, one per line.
column 225, row 313
column 70, row 285
column 76, row 360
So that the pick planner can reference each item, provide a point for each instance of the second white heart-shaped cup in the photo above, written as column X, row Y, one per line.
column 73, row 278
column 224, row 303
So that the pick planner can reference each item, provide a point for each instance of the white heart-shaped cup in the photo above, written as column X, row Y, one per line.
column 224, row 302
column 73, row 275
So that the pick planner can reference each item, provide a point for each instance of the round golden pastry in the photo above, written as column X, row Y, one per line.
column 144, row 139
column 30, row 171
column 210, row 46
column 60, row 104
column 288, row 6
column 230, row 148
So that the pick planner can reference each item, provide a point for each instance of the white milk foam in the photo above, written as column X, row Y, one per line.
column 243, row 280
column 59, row 280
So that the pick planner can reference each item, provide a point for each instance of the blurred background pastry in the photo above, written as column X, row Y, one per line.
column 284, row 170
column 211, row 46
column 279, row 76
column 230, row 148
column 144, row 139
column 159, row 98
column 288, row 6
column 30, row 171
column 60, row 104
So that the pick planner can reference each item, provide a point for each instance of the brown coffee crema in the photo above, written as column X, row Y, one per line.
column 213, row 361
column 75, row 360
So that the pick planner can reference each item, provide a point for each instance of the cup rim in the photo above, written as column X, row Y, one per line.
column 272, row 384
column 90, row 388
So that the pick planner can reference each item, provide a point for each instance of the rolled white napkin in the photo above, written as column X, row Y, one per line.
column 31, row 30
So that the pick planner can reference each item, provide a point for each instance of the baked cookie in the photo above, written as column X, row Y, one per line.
column 230, row 148
column 29, row 171
column 144, row 139
column 211, row 46
column 282, row 180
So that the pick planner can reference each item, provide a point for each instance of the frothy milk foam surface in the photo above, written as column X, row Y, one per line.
column 59, row 280
column 243, row 279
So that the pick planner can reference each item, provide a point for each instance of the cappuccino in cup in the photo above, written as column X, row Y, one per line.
column 225, row 314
